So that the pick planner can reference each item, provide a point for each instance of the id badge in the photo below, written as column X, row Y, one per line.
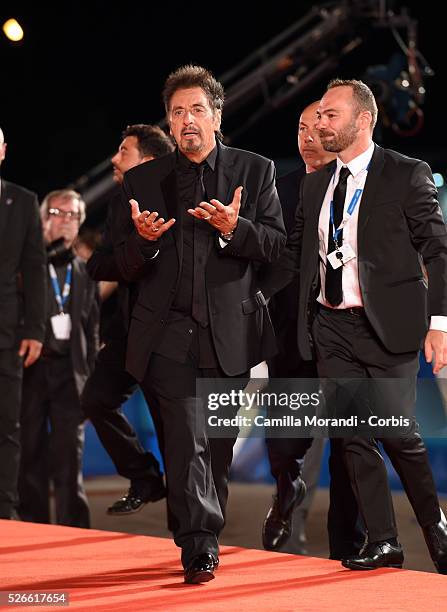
column 61, row 325
column 341, row 257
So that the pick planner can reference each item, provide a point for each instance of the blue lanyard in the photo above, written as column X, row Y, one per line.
column 60, row 298
column 351, row 208
column 354, row 201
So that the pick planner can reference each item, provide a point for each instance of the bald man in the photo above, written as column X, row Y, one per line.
column 22, row 319
column 291, row 503
column 288, row 363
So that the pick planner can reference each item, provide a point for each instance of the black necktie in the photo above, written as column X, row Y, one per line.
column 201, row 236
column 333, row 286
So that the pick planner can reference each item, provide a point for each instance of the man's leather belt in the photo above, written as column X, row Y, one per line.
column 355, row 311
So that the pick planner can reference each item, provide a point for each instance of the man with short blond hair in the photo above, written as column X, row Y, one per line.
column 367, row 311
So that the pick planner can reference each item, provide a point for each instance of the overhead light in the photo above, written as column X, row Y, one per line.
column 13, row 30
column 439, row 179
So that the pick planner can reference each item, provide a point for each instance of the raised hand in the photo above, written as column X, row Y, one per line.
column 147, row 224
column 223, row 218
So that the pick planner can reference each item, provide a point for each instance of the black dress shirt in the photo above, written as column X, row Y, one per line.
column 183, row 334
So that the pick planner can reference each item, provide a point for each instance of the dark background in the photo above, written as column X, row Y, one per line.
column 85, row 70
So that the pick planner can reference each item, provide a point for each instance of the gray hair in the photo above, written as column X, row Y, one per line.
column 66, row 194
column 190, row 76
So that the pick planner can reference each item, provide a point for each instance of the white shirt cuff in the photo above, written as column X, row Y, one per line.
column 439, row 323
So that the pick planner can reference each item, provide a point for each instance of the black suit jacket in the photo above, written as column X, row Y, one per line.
column 239, row 320
column 22, row 269
column 84, row 312
column 102, row 265
column 283, row 305
column 400, row 225
column 288, row 187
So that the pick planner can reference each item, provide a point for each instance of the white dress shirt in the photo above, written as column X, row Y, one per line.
column 352, row 296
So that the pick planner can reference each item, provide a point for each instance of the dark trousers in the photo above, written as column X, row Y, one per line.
column 105, row 391
column 347, row 347
column 345, row 530
column 52, row 441
column 345, row 527
column 283, row 469
column 10, row 398
column 197, row 469
column 286, row 454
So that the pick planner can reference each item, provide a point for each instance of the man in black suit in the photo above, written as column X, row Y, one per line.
column 52, row 430
column 289, row 510
column 375, row 212
column 22, row 319
column 110, row 385
column 199, row 312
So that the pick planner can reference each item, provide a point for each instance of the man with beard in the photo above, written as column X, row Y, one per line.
column 210, row 217
column 374, row 212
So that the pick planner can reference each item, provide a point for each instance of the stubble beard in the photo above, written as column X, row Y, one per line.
column 341, row 141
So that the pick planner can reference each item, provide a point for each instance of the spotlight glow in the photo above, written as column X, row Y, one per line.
column 13, row 30
column 439, row 179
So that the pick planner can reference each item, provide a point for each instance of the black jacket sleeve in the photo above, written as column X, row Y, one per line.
column 34, row 276
column 102, row 264
column 281, row 272
column 134, row 255
column 263, row 238
column 428, row 234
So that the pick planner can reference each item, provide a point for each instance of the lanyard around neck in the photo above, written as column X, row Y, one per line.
column 61, row 298
column 349, row 212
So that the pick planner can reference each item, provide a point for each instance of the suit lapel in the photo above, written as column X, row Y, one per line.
column 226, row 181
column 6, row 201
column 369, row 192
column 169, row 190
column 77, row 293
column 225, row 174
column 325, row 177
column 315, row 188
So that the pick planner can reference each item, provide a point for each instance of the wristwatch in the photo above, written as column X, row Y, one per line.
column 228, row 236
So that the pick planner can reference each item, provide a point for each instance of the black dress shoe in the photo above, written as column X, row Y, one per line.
column 201, row 569
column 436, row 539
column 277, row 527
column 375, row 555
column 134, row 500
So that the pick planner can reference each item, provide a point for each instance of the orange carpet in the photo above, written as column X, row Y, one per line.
column 106, row 571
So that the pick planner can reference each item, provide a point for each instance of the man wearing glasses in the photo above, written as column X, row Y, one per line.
column 53, row 385
column 22, row 318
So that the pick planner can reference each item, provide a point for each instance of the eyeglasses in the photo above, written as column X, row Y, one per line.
column 64, row 214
